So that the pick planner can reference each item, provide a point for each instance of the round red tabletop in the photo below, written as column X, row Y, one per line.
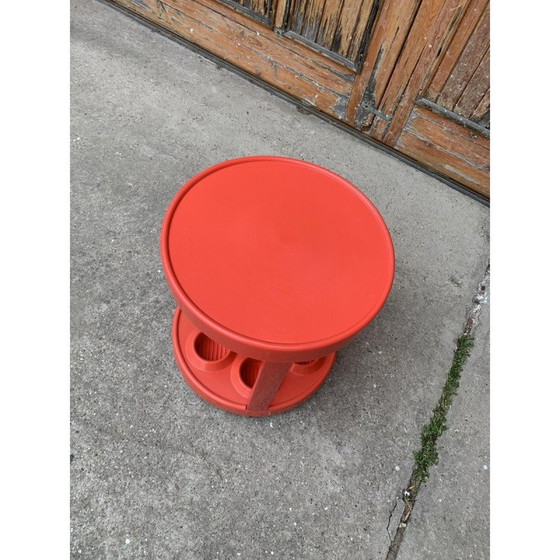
column 276, row 258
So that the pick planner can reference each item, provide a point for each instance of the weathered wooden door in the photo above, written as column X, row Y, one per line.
column 412, row 74
column 428, row 95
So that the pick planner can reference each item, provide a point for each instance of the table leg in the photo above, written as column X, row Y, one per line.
column 268, row 382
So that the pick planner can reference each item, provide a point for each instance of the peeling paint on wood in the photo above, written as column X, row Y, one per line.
column 432, row 28
column 461, row 73
column 368, row 105
column 456, row 47
column 337, row 27
column 340, row 109
column 260, row 9
column 475, row 91
column 481, row 114
column 448, row 147
column 141, row 4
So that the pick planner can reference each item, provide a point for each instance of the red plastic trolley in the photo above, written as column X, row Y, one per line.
column 275, row 264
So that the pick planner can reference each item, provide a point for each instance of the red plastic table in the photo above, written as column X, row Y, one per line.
column 275, row 264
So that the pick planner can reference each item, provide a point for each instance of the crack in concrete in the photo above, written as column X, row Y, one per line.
column 390, row 517
column 479, row 300
column 410, row 493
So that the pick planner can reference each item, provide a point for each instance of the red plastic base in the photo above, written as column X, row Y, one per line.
column 228, row 380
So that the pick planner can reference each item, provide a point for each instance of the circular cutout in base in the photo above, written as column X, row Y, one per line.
column 228, row 387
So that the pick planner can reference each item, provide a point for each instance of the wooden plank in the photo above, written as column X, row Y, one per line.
column 452, row 137
column 483, row 108
column 388, row 36
column 334, row 29
column 476, row 89
column 297, row 15
column 470, row 58
column 256, row 7
column 280, row 14
column 312, row 19
column 469, row 22
column 260, row 7
column 329, row 22
column 254, row 48
column 345, row 29
column 485, row 119
column 444, row 162
column 360, row 29
column 431, row 32
column 445, row 122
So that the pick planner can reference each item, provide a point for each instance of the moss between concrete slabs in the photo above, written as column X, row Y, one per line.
column 427, row 455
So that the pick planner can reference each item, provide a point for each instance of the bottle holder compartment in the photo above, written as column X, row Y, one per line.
column 227, row 379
